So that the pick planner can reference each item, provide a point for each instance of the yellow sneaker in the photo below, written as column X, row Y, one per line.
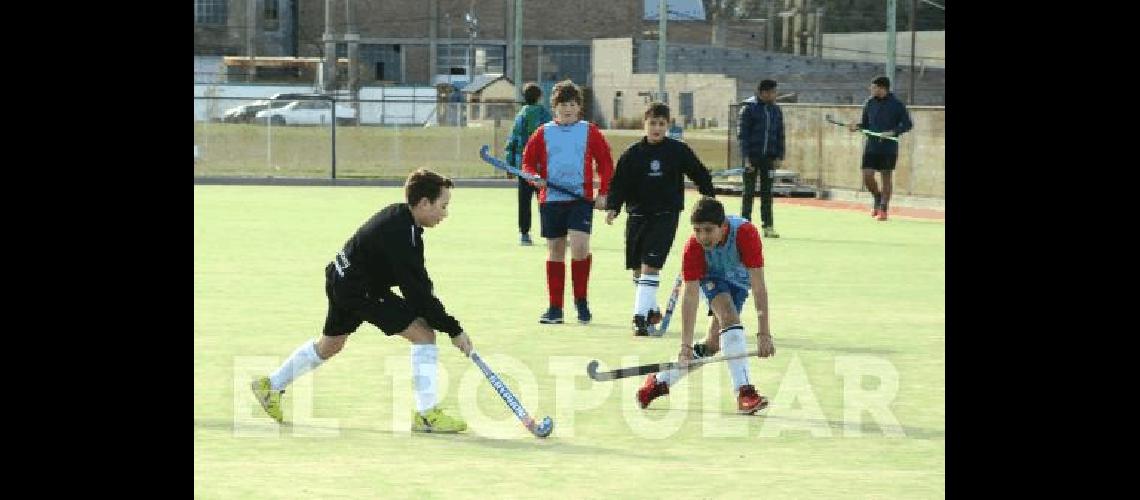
column 270, row 399
column 434, row 420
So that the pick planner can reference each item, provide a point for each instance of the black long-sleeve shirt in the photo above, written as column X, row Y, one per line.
column 649, row 177
column 388, row 251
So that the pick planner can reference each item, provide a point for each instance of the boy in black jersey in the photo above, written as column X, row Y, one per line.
column 387, row 251
column 649, row 180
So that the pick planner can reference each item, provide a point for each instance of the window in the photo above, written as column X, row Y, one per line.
column 210, row 12
column 453, row 58
column 384, row 59
column 560, row 62
column 687, row 106
column 270, row 17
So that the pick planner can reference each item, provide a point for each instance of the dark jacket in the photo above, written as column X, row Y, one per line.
column 881, row 115
column 388, row 251
column 761, row 129
column 649, row 177
column 529, row 118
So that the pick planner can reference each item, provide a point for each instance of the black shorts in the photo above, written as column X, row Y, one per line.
column 872, row 161
column 559, row 217
column 350, row 305
column 648, row 239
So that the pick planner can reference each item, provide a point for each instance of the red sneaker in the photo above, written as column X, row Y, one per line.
column 748, row 401
column 874, row 212
column 882, row 215
column 650, row 390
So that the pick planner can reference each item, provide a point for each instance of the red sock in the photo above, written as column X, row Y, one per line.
column 580, row 273
column 555, row 281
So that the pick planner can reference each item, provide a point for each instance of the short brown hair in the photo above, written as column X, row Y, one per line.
column 657, row 110
column 708, row 210
column 565, row 91
column 531, row 93
column 424, row 183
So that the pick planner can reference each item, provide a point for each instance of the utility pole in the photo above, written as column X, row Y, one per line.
column 330, row 50
column 662, row 21
column 450, row 77
column 251, row 32
column 353, row 39
column 472, row 32
column 913, row 47
column 891, row 32
column 516, row 70
column 433, row 42
column 770, row 28
column 819, row 32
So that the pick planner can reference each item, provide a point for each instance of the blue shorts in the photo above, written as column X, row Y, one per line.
column 558, row 217
column 712, row 287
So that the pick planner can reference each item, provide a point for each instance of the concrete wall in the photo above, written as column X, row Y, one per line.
column 820, row 151
column 611, row 73
column 872, row 47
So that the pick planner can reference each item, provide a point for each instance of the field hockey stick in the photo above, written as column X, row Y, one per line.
column 484, row 152
column 868, row 132
column 670, row 306
column 633, row 371
column 542, row 429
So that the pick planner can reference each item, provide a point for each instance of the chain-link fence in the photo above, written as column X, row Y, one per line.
column 389, row 138
column 373, row 139
column 827, row 156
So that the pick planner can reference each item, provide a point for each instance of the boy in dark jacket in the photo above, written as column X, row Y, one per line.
column 761, row 136
column 882, row 112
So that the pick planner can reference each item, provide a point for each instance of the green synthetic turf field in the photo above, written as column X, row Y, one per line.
column 856, row 305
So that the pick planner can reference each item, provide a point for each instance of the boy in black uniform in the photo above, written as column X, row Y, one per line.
column 648, row 180
column 387, row 251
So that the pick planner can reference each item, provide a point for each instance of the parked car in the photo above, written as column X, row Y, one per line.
column 246, row 112
column 308, row 112
column 283, row 96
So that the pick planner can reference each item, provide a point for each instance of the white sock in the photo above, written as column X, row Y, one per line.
column 732, row 342
column 302, row 360
column 670, row 377
column 424, row 358
column 646, row 293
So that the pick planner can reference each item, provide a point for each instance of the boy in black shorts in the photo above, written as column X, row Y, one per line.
column 387, row 251
column 882, row 112
column 649, row 181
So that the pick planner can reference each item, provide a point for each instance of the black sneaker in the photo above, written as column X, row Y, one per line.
column 653, row 317
column 701, row 350
column 640, row 326
column 584, row 315
column 553, row 316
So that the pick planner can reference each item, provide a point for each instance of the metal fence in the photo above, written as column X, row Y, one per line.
column 389, row 138
column 367, row 139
